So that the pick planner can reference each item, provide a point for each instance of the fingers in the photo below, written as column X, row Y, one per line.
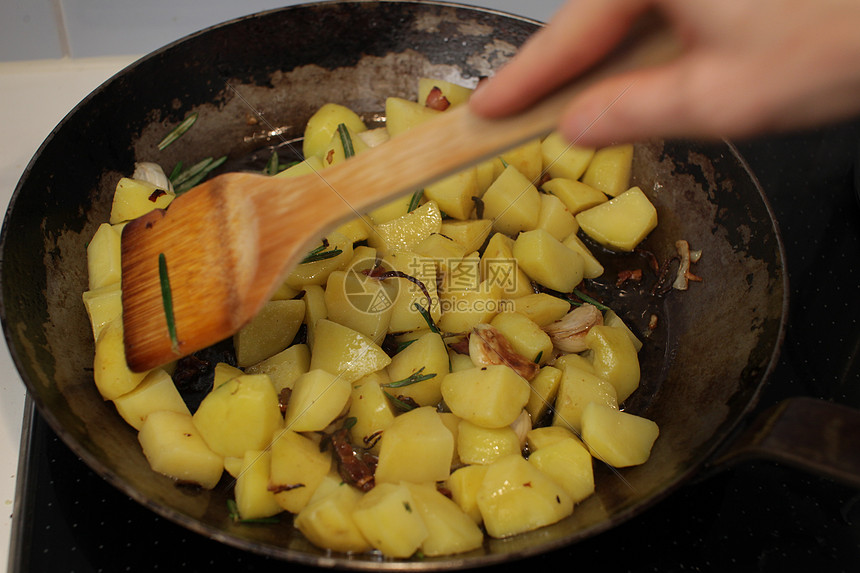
column 578, row 36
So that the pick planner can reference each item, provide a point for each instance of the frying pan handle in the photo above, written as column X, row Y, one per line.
column 813, row 435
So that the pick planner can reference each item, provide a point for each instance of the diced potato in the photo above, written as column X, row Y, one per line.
column 515, row 496
column 393, row 209
column 525, row 336
column 104, row 266
column 463, row 309
column 591, row 267
column 555, row 218
column 610, row 318
column 452, row 422
column 327, row 520
column 269, row 332
column 364, row 258
column 416, row 447
column 334, row 152
column 449, row 529
column 541, row 308
column 103, row 305
column 135, row 197
column 454, row 193
column 538, row 438
column 568, row 463
column 317, row 272
column 346, row 353
column 470, row 234
column 359, row 302
column 544, row 390
column 512, row 202
column 576, row 361
column 479, row 445
column 609, row 170
column 617, row 438
column 285, row 292
column 429, row 355
column 355, row 230
column 563, row 159
column 323, row 123
column 464, row 484
column 460, row 361
column 156, row 392
column 298, row 468
column 621, row 223
column 315, row 310
column 253, row 498
column 445, row 251
column 402, row 115
column 312, row 164
column 239, row 415
column 405, row 317
column 615, row 358
column 225, row 372
column 455, row 94
column 233, row 465
column 284, row 367
column 174, row 447
column 389, row 519
column 577, row 389
column 491, row 397
column 487, row 172
column 547, row 261
column 499, row 267
column 576, row 195
column 371, row 409
column 527, row 159
column 111, row 373
column 317, row 398
column 404, row 233
column 374, row 137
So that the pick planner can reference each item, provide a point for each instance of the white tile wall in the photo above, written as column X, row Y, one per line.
column 46, row 29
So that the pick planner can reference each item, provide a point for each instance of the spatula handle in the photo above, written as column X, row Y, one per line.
column 410, row 160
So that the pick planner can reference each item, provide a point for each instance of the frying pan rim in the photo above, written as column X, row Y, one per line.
column 450, row 562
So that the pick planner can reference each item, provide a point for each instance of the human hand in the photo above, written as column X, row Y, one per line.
column 748, row 67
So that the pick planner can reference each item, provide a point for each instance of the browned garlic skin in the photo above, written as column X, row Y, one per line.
column 568, row 333
column 488, row 346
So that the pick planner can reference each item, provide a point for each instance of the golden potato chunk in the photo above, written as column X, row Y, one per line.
column 515, row 496
column 416, row 447
column 174, row 447
column 491, row 397
column 621, row 223
column 617, row 438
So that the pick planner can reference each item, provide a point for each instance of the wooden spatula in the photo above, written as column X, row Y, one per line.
column 196, row 273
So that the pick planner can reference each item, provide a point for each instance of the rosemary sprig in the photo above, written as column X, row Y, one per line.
column 196, row 173
column 403, row 345
column 177, row 131
column 273, row 164
column 345, row 140
column 177, row 169
column 585, row 298
column 538, row 357
column 399, row 404
column 427, row 318
column 320, row 254
column 167, row 301
column 413, row 378
column 415, row 202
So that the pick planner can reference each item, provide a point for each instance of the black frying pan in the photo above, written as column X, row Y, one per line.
column 254, row 83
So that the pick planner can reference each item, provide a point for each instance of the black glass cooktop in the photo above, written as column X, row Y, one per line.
column 757, row 516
